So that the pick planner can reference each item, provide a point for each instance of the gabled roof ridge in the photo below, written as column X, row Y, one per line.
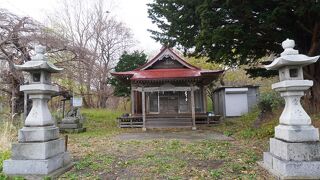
column 155, row 58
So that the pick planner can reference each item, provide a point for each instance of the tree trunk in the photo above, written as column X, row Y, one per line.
column 311, row 72
column 17, row 99
column 312, row 99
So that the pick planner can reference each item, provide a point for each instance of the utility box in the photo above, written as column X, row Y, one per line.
column 235, row 101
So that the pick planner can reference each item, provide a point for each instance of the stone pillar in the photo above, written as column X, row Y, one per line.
column 193, row 113
column 143, row 110
column 39, row 151
column 295, row 149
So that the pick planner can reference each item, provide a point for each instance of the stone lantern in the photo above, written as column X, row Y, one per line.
column 39, row 151
column 295, row 149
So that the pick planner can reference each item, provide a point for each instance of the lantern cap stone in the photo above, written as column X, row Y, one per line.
column 288, row 43
column 290, row 57
column 39, row 62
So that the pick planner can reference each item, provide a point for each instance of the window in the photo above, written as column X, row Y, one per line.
column 154, row 102
column 184, row 97
column 198, row 100
column 293, row 72
column 36, row 77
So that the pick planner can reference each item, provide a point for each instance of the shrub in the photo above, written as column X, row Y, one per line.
column 270, row 101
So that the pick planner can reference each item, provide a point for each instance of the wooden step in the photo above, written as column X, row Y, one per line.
column 169, row 123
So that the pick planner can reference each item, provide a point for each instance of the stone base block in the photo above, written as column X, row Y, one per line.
column 37, row 150
column 296, row 133
column 284, row 169
column 70, row 126
column 37, row 134
column 70, row 120
column 78, row 130
column 36, row 167
column 267, row 159
column 306, row 151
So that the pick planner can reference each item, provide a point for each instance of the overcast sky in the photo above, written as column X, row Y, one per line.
column 132, row 12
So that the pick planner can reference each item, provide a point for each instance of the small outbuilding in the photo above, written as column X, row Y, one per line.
column 235, row 101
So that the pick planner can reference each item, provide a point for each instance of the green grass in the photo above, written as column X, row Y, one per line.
column 3, row 156
column 100, row 122
column 98, row 156
column 244, row 128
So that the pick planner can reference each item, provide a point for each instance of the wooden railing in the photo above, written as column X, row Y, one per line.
column 136, row 121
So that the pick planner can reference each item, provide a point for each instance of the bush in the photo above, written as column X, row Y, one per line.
column 270, row 101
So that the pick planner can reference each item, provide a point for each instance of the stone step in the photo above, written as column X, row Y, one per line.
column 169, row 119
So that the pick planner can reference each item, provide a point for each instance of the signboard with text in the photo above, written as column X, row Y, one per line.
column 77, row 101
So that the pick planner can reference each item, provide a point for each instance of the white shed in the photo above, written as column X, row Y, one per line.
column 235, row 101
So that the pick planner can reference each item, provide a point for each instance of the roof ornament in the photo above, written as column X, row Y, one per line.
column 288, row 46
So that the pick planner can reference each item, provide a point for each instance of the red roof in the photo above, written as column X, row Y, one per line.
column 188, row 72
column 156, row 58
column 154, row 74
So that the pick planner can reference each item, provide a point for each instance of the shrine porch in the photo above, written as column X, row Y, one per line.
column 167, row 120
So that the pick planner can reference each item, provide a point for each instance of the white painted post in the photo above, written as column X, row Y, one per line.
column 132, row 101
column 143, row 110
column 193, row 109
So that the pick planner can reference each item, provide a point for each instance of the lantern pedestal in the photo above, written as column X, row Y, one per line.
column 39, row 152
column 295, row 149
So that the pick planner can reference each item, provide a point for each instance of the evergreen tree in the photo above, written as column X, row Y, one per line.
column 127, row 62
column 236, row 32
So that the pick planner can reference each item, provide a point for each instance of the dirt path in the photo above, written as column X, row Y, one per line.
column 187, row 135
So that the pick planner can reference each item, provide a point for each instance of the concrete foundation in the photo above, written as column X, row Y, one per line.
column 293, row 160
column 283, row 169
column 71, row 125
column 77, row 130
column 38, row 169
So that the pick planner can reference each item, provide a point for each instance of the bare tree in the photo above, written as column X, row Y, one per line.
column 15, row 34
column 97, row 39
column 17, row 37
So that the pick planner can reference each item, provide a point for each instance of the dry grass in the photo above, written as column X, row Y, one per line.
column 6, row 136
column 8, row 132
